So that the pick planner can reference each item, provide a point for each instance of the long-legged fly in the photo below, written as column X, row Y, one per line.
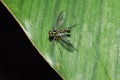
column 62, row 35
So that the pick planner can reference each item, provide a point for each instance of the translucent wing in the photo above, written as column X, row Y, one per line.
column 66, row 43
column 60, row 20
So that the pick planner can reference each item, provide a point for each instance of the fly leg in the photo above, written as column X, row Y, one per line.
column 60, row 51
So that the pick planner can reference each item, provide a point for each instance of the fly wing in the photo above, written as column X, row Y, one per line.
column 60, row 20
column 67, row 44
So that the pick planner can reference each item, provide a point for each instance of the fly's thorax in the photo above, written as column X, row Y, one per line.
column 60, row 34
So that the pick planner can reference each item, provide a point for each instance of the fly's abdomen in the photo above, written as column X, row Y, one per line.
column 64, row 30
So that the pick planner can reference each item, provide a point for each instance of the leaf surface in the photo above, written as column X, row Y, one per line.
column 96, row 35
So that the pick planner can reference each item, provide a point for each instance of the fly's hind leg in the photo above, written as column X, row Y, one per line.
column 60, row 51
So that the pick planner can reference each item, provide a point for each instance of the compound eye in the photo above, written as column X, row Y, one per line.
column 50, row 33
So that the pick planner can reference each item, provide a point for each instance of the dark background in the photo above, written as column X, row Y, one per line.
column 19, row 60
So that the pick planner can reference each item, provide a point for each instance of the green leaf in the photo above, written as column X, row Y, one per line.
column 96, row 35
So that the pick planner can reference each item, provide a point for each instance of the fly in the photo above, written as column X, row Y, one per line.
column 62, row 35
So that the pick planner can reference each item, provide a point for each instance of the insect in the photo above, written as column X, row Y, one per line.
column 62, row 35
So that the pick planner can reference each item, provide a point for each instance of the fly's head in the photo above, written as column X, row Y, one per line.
column 52, row 35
